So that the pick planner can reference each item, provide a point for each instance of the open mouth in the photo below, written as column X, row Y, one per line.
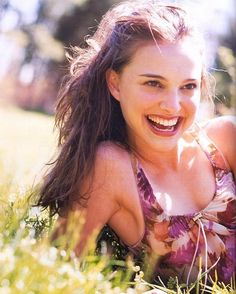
column 163, row 125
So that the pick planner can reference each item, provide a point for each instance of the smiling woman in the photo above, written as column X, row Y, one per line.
column 132, row 155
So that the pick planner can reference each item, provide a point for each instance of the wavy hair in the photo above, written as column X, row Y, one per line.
column 86, row 113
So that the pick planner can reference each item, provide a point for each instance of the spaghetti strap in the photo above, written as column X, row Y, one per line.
column 213, row 153
column 134, row 163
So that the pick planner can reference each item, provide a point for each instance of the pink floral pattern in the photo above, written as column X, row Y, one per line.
column 182, row 244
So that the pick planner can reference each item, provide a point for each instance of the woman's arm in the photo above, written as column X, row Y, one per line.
column 112, row 199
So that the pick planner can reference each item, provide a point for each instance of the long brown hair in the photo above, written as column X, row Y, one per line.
column 86, row 112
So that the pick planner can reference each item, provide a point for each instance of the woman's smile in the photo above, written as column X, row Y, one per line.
column 163, row 126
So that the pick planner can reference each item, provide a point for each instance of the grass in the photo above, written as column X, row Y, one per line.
column 29, row 263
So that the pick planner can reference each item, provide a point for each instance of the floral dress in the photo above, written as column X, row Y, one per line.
column 181, row 245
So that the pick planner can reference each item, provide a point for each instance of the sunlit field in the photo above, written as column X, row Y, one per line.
column 29, row 262
column 27, row 143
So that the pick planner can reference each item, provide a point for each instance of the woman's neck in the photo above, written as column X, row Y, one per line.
column 174, row 159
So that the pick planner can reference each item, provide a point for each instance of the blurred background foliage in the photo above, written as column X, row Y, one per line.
column 36, row 44
column 34, row 73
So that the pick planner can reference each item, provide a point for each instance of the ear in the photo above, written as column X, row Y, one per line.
column 112, row 78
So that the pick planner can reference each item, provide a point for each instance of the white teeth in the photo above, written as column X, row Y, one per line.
column 162, row 121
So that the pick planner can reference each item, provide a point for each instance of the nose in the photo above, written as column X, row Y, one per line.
column 171, row 102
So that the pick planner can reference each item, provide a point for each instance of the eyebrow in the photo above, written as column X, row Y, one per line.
column 149, row 75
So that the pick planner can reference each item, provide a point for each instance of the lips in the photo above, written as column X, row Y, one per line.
column 164, row 126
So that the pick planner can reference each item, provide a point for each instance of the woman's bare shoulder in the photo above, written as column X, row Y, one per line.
column 114, row 169
column 112, row 166
column 224, row 121
column 112, row 158
column 107, row 149
column 222, row 131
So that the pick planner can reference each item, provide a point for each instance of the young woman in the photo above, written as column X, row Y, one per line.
column 132, row 155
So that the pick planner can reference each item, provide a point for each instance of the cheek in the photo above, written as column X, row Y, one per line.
column 194, row 102
column 132, row 109
column 133, row 102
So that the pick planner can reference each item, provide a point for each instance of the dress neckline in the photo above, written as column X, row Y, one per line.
column 214, row 156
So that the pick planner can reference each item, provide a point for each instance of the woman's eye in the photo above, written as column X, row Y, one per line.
column 190, row 86
column 153, row 83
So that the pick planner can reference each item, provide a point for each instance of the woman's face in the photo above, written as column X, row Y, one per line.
column 159, row 93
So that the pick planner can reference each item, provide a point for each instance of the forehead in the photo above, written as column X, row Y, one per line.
column 183, row 57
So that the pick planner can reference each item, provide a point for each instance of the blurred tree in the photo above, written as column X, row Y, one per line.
column 57, row 24
column 225, row 73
